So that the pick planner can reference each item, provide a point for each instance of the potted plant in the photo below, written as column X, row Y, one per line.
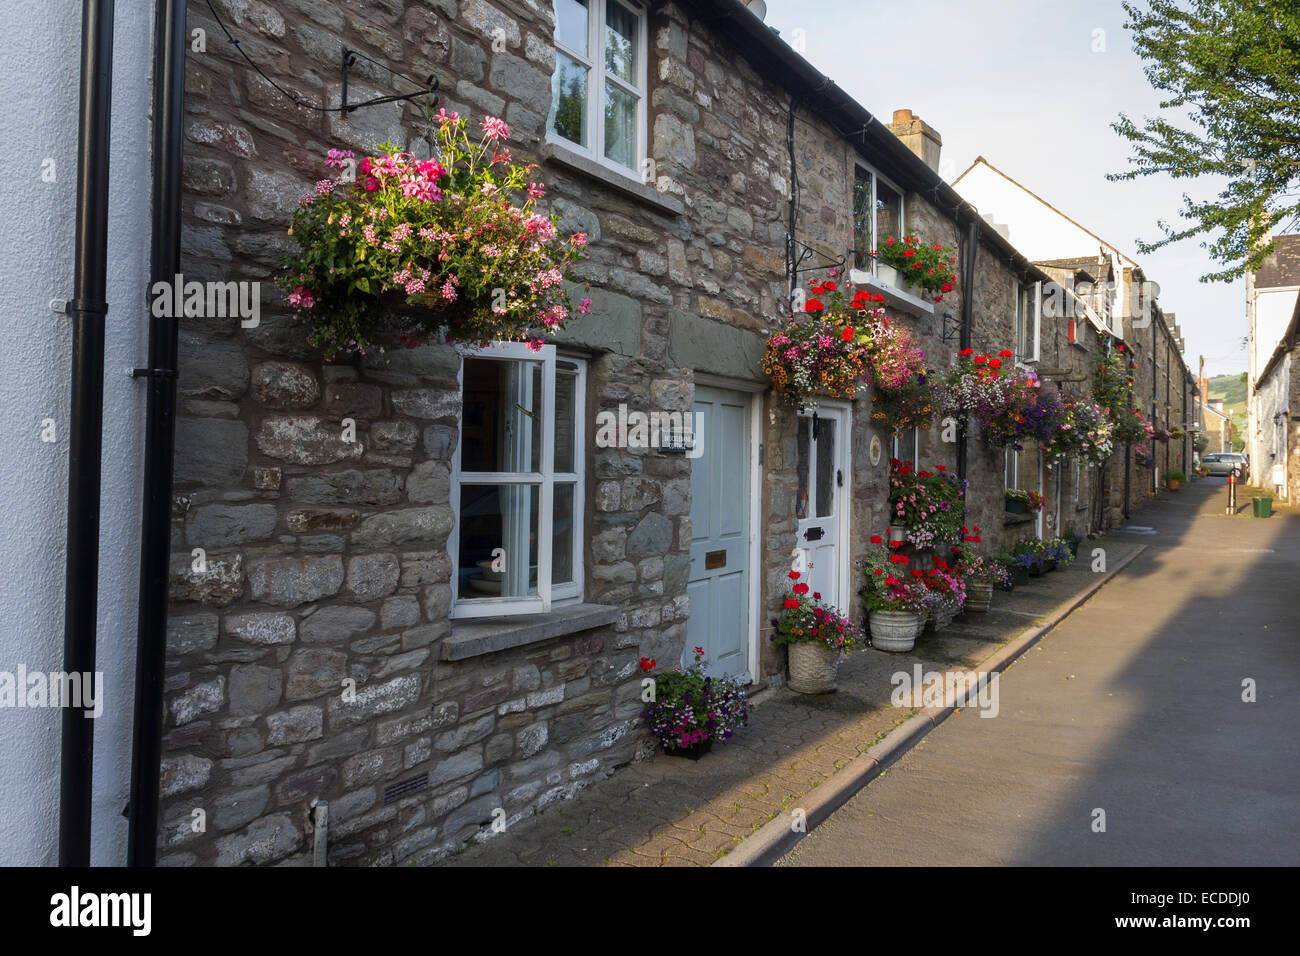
column 815, row 635
column 1058, row 553
column 983, row 574
column 927, row 267
column 893, row 596
column 1174, row 479
column 401, row 251
column 946, row 588
column 927, row 505
column 1017, row 570
column 1023, row 502
column 691, row 710
column 1072, row 540
column 1032, row 555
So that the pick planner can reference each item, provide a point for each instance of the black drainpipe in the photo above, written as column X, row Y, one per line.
column 85, row 439
column 160, row 420
column 967, row 312
column 1155, row 369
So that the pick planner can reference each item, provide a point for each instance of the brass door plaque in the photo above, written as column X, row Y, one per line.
column 715, row 559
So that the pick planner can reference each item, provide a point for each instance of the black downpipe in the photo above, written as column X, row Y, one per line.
column 160, row 422
column 85, row 438
column 1155, row 369
column 967, row 315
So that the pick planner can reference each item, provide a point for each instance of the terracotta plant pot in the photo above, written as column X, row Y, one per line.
column 1173, row 484
column 813, row 666
column 979, row 596
column 894, row 631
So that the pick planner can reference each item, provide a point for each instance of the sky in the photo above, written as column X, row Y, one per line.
column 1021, row 84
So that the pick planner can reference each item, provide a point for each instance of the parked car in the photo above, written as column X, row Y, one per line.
column 1222, row 463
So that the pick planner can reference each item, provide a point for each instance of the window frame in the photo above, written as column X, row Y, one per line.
column 1010, row 469
column 597, row 73
column 862, row 167
column 549, row 594
column 895, row 447
column 1021, row 360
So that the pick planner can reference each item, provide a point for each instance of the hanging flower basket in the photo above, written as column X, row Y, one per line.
column 825, row 350
column 399, row 251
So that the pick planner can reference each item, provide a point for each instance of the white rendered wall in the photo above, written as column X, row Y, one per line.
column 39, row 75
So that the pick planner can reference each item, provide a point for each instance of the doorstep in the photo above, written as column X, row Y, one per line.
column 667, row 811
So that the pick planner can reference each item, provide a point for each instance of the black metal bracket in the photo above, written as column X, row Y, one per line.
column 806, row 252
column 153, row 373
column 350, row 57
column 951, row 326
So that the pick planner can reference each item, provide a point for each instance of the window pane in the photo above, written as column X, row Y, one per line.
column 502, row 416
column 802, row 445
column 889, row 211
column 620, row 126
column 562, row 535
column 571, row 24
column 569, row 100
column 863, row 240
column 620, row 41
column 498, row 541
column 566, row 387
column 825, row 466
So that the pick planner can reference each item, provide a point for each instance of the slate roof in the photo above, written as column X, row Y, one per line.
column 1282, row 268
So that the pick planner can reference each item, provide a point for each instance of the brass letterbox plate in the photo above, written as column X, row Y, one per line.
column 715, row 559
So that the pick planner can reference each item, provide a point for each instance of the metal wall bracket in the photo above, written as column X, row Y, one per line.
column 951, row 325
column 350, row 57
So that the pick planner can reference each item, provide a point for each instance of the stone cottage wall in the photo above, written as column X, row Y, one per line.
column 324, row 553
column 323, row 563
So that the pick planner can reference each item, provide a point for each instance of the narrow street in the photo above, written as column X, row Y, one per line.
column 1133, row 706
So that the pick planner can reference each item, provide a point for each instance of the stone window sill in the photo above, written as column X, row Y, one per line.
column 558, row 155
column 895, row 298
column 1013, row 519
column 474, row 637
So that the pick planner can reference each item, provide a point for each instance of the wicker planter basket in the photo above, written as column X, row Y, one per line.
column 812, row 667
column 979, row 596
column 895, row 631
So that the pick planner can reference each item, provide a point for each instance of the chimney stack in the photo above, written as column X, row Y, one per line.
column 918, row 136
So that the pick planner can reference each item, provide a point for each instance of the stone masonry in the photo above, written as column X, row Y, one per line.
column 308, row 646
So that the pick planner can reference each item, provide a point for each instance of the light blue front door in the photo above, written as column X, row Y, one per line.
column 719, row 576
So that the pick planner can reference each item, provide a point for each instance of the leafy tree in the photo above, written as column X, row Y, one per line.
column 1232, row 67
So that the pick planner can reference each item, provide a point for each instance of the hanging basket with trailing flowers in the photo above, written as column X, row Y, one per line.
column 925, row 265
column 1112, row 387
column 398, row 251
column 1084, row 431
column 903, row 392
column 992, row 391
column 824, row 351
column 1039, row 421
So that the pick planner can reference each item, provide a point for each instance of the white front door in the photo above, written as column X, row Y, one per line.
column 720, row 534
column 820, row 502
